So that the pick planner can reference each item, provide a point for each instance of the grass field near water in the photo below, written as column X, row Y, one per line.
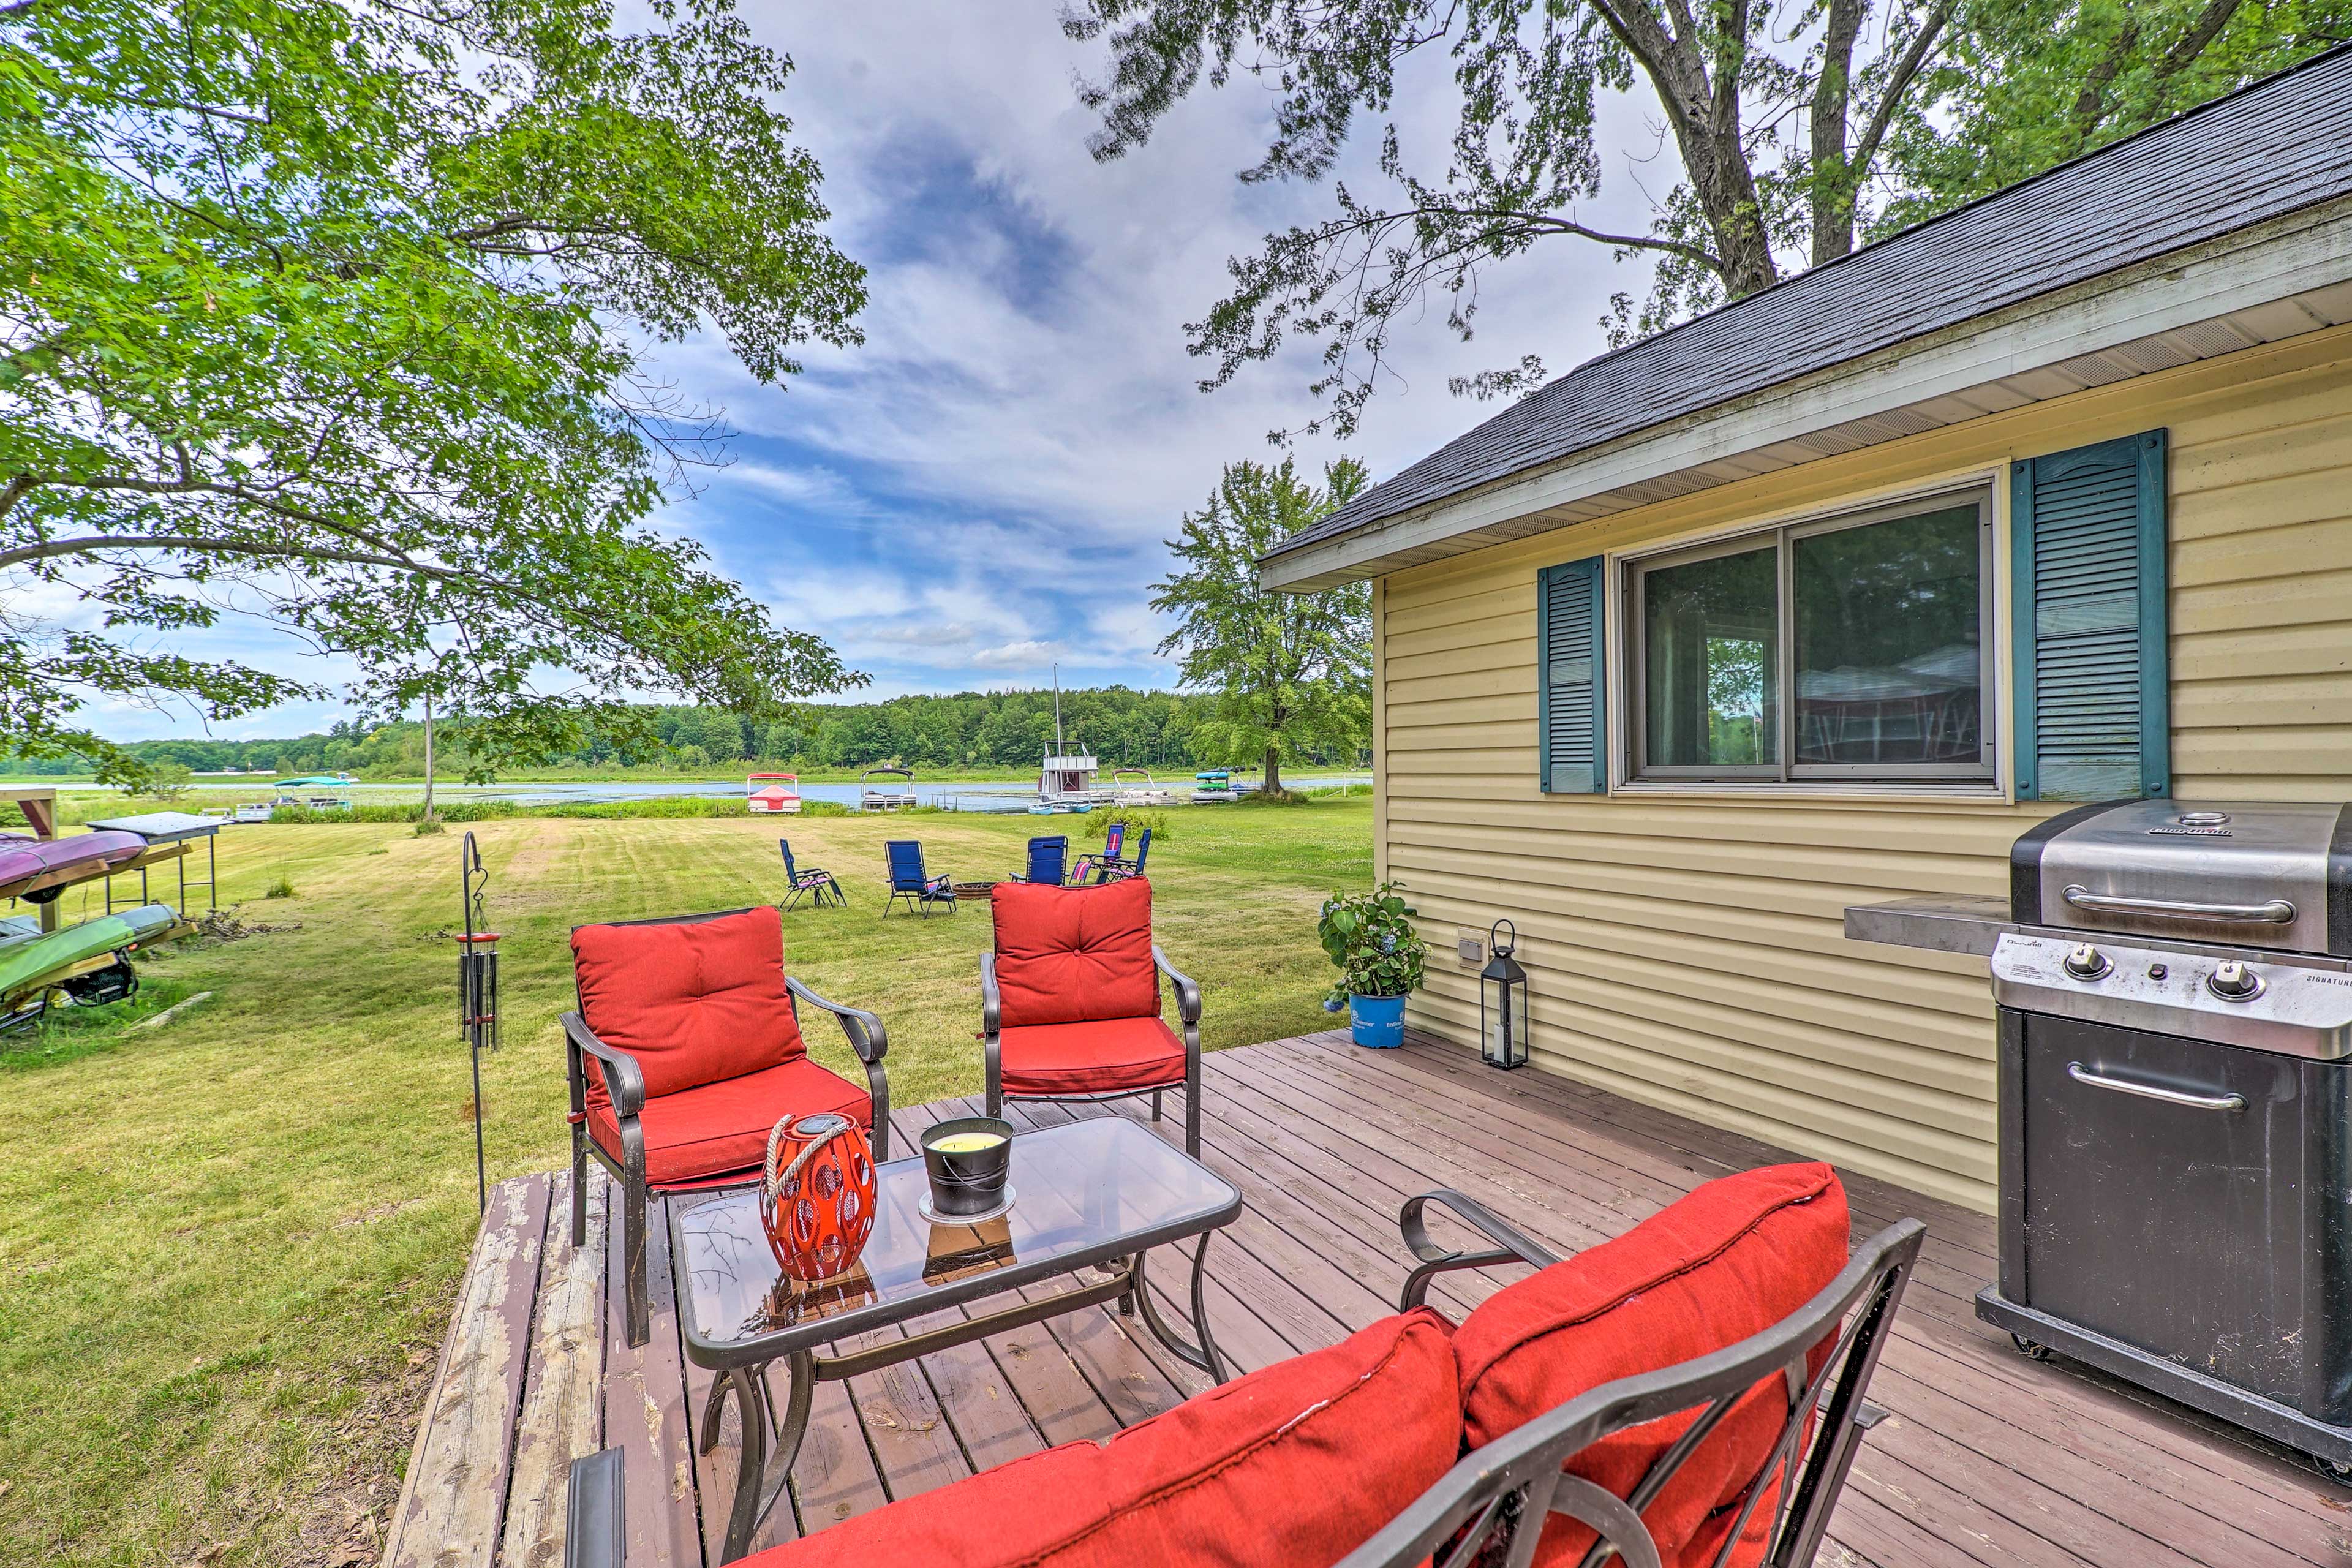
column 229, row 1244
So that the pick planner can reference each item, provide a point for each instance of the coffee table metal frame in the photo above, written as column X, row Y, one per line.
column 761, row 1477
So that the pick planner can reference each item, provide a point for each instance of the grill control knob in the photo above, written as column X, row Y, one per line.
column 2233, row 982
column 2086, row 963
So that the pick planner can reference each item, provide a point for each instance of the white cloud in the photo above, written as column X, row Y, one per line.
column 982, row 487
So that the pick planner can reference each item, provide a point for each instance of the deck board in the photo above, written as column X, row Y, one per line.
column 455, row 1491
column 561, row 1418
column 645, row 1411
column 1988, row 1461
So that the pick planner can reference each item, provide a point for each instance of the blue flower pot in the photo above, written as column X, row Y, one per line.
column 1379, row 1021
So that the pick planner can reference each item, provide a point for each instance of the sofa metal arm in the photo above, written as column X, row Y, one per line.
column 991, row 1000
column 625, row 1081
column 1512, row 1245
column 1503, row 1491
column 1188, row 991
column 867, row 1036
column 596, row 1531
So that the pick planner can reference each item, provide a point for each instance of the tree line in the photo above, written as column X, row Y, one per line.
column 1009, row 730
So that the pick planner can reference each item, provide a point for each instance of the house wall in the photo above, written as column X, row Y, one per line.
column 1688, row 950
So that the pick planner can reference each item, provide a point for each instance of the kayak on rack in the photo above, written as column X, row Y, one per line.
column 28, row 965
column 32, row 868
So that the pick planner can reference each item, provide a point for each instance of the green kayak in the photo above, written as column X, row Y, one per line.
column 28, row 962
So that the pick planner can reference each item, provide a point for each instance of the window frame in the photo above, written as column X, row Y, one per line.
column 1780, row 538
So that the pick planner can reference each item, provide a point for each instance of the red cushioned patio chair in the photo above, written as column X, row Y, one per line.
column 685, row 1052
column 1069, row 1003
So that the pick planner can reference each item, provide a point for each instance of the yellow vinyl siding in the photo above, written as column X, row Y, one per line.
column 1688, row 949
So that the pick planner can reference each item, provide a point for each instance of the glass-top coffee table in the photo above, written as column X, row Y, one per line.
column 1099, row 1194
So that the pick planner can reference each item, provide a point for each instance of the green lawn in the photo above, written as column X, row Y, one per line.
column 228, row 1245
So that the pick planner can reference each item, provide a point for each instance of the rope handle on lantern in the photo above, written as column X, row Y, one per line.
column 775, row 1182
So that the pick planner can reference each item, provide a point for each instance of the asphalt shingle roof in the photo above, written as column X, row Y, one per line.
column 2266, row 151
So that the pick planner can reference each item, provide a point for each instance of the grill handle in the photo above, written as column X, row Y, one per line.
column 2277, row 912
column 2084, row 1075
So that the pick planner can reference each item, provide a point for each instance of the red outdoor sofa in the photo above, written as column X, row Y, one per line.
column 1689, row 1395
column 686, row 1052
column 1069, row 1003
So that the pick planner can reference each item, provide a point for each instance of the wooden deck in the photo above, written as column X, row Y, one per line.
column 1988, row 1459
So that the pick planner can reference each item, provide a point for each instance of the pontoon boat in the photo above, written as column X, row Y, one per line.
column 872, row 799
column 773, row 793
column 1149, row 792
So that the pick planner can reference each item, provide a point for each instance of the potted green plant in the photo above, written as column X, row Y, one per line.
column 1380, row 957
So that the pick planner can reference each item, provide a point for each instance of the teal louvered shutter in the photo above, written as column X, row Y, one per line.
column 2087, row 537
column 1572, row 706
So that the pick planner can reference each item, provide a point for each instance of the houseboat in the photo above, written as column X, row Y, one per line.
column 1066, row 781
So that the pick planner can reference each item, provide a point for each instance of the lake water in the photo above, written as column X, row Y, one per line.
column 990, row 795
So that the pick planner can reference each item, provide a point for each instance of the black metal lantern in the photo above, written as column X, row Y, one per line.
column 478, row 990
column 1502, row 1002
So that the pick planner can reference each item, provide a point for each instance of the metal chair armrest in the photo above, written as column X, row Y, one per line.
column 625, row 1081
column 992, row 1001
column 595, row 1533
column 1188, row 991
column 1511, row 1245
column 867, row 1036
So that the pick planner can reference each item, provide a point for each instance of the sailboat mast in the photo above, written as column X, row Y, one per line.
column 1057, row 710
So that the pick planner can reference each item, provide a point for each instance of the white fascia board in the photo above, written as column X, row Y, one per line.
column 2275, row 261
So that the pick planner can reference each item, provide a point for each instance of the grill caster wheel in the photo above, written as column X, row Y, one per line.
column 2032, row 1351
column 2338, row 1470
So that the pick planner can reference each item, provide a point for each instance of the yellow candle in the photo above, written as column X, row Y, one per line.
column 967, row 1142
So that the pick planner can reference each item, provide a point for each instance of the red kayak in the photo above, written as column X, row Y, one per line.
column 32, row 868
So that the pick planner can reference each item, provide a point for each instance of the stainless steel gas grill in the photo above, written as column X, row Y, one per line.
column 2175, row 999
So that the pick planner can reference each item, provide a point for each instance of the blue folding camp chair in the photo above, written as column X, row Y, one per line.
column 909, row 881
column 815, row 884
column 1046, row 856
column 1092, row 865
column 1120, row 870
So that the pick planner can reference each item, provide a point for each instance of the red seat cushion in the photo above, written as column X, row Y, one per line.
column 1092, row 1058
column 1731, row 1260
column 694, row 1003
column 1297, row 1464
column 1074, row 955
column 721, row 1129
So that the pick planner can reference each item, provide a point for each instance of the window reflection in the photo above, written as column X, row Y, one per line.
column 1888, row 666
column 1710, row 670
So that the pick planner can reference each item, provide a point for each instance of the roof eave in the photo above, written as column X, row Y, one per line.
column 2259, row 284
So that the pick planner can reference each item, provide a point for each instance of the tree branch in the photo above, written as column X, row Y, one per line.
column 2091, row 103
column 2201, row 33
column 92, row 544
column 1922, row 44
column 1697, row 252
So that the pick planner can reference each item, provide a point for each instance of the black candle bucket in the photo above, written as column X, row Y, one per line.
column 968, row 1181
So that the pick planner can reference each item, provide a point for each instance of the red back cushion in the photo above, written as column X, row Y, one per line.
column 1074, row 955
column 1731, row 1260
column 695, row 1003
column 1297, row 1464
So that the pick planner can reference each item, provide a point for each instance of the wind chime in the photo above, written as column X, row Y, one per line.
column 477, row 990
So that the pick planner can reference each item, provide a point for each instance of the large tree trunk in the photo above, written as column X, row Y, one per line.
column 428, row 758
column 1273, row 769
column 1833, row 184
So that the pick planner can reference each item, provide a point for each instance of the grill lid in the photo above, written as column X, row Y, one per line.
column 2271, row 874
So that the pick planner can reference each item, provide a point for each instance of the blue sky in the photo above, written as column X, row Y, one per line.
column 982, row 488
